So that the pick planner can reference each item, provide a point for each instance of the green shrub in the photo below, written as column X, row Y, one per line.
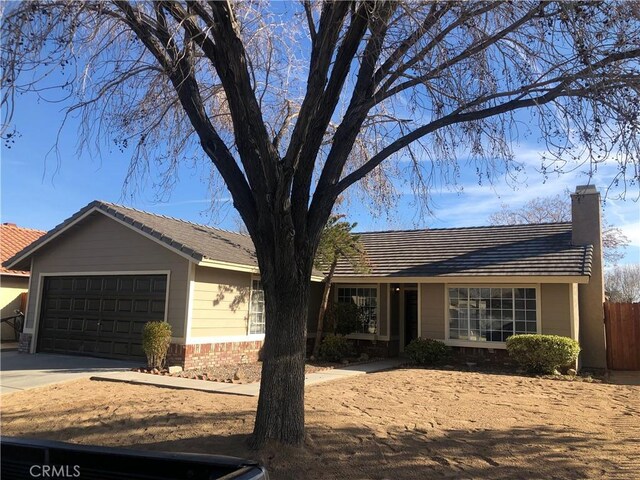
column 343, row 318
column 542, row 353
column 156, row 338
column 426, row 351
column 334, row 348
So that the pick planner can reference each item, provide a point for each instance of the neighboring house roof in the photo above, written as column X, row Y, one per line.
column 512, row 250
column 12, row 240
column 196, row 242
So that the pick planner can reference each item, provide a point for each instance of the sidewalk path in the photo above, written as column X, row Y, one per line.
column 624, row 377
column 246, row 389
column 21, row 371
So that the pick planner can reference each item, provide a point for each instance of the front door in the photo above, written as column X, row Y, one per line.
column 410, row 315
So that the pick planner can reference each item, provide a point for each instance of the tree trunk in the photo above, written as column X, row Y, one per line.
column 280, row 414
column 323, row 307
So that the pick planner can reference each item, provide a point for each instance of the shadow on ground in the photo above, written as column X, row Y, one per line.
column 358, row 453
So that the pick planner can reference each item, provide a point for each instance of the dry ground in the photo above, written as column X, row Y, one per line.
column 403, row 424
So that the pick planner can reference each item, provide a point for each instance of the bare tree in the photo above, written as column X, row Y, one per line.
column 558, row 209
column 294, row 106
column 538, row 210
column 623, row 283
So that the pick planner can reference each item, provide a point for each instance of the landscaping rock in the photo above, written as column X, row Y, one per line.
column 363, row 357
column 572, row 372
column 239, row 372
column 175, row 369
column 471, row 364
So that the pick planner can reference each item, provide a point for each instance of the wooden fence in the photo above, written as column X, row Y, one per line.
column 622, row 324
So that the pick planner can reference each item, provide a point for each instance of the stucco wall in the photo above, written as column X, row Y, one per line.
column 100, row 244
column 383, row 300
column 10, row 289
column 555, row 307
column 432, row 310
column 587, row 228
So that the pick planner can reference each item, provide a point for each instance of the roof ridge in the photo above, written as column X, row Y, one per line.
column 111, row 204
column 462, row 228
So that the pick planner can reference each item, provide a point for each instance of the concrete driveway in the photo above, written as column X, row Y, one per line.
column 19, row 371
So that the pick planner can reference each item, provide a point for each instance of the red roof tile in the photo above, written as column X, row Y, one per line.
column 12, row 240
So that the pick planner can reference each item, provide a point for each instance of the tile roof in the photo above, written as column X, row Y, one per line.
column 12, row 240
column 516, row 250
column 198, row 242
column 512, row 250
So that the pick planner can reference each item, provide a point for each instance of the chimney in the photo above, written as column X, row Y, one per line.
column 587, row 230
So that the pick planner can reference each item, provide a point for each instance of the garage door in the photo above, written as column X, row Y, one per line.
column 99, row 316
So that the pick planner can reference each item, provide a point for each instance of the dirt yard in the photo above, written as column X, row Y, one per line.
column 403, row 424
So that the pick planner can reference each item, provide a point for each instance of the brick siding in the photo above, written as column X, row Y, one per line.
column 24, row 344
column 203, row 355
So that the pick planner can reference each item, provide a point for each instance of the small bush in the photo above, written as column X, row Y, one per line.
column 334, row 348
column 426, row 351
column 343, row 318
column 542, row 353
column 156, row 338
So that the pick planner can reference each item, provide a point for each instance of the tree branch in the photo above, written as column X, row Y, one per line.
column 354, row 117
column 398, row 72
column 451, row 119
column 310, row 23
column 475, row 48
column 316, row 123
column 252, row 138
column 322, row 51
column 188, row 92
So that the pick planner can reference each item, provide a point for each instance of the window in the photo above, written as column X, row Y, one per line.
column 367, row 299
column 491, row 314
column 256, row 308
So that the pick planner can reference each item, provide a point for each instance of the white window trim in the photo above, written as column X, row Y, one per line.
column 249, row 334
column 191, row 287
column 252, row 337
column 388, row 335
column 474, row 344
column 360, row 335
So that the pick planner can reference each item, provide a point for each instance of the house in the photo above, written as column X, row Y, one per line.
column 101, row 274
column 13, row 283
column 474, row 287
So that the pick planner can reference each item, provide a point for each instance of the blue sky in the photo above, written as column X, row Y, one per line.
column 41, row 188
